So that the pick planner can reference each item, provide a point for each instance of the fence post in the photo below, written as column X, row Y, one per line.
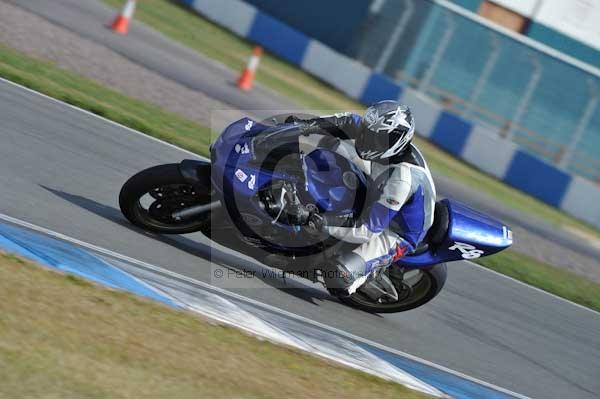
column 391, row 45
column 485, row 75
column 362, row 47
column 586, row 117
column 526, row 99
column 439, row 53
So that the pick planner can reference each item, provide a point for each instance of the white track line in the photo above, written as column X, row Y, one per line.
column 514, row 280
column 250, row 301
column 201, row 157
column 101, row 118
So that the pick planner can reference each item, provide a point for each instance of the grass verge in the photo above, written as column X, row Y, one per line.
column 546, row 277
column 46, row 78
column 61, row 336
column 178, row 23
column 209, row 39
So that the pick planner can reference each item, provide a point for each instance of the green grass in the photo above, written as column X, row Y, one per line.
column 209, row 39
column 46, row 78
column 205, row 37
column 452, row 167
column 548, row 278
column 63, row 337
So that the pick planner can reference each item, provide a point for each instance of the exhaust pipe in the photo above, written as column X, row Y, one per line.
column 195, row 210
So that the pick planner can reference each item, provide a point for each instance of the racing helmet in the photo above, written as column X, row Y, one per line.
column 388, row 129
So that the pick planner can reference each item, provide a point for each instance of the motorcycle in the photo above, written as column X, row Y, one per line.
column 263, row 206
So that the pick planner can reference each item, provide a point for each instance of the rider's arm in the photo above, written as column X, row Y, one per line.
column 344, row 126
column 322, row 132
column 334, row 133
column 396, row 192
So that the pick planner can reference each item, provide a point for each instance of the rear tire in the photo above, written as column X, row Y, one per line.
column 427, row 287
column 166, row 183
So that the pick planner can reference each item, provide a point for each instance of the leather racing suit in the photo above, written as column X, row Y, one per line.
column 398, row 220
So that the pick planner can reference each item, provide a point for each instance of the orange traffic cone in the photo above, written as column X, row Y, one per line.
column 247, row 76
column 121, row 23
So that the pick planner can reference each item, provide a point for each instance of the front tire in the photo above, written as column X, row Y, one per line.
column 150, row 197
column 419, row 288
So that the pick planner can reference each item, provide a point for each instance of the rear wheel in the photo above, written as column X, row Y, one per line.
column 415, row 288
column 149, row 198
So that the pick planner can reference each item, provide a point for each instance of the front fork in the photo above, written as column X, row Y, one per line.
column 197, row 174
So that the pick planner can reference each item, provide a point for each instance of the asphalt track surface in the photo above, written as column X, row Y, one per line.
column 152, row 50
column 476, row 323
column 61, row 168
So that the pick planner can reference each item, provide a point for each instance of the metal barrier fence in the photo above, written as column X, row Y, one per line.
column 544, row 101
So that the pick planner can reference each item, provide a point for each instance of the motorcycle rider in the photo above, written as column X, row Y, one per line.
column 392, row 226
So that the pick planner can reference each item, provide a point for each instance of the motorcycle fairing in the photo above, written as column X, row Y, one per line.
column 235, row 170
column 237, row 179
column 470, row 235
column 329, row 180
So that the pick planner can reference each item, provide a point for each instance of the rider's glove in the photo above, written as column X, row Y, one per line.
column 292, row 119
column 315, row 225
column 310, row 128
column 306, row 126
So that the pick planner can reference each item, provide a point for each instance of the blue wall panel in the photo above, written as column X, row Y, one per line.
column 471, row 5
column 537, row 178
column 278, row 38
column 451, row 133
column 380, row 87
column 320, row 19
column 563, row 43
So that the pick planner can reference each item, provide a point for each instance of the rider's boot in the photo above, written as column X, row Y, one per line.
column 348, row 272
column 345, row 274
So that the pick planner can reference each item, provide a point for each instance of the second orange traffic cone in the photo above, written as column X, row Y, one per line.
column 247, row 77
column 121, row 22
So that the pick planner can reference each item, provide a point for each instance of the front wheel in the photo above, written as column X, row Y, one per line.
column 415, row 288
column 149, row 199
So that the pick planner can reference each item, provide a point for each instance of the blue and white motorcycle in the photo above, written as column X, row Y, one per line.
column 262, row 207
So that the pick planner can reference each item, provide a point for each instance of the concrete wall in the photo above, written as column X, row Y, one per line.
column 475, row 144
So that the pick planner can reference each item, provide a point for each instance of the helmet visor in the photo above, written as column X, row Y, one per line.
column 374, row 145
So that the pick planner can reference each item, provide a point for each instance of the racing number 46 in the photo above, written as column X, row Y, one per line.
column 468, row 251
